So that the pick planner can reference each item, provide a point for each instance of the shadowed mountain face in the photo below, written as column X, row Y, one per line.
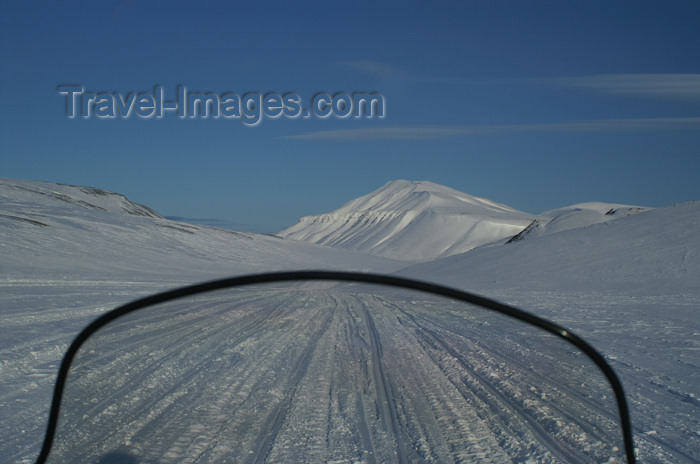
column 412, row 221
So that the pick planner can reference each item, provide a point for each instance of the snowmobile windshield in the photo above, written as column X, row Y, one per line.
column 332, row 367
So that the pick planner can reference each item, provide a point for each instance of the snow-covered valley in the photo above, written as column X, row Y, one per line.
column 628, row 283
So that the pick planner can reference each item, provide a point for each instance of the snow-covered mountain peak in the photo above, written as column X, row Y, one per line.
column 412, row 221
column 405, row 195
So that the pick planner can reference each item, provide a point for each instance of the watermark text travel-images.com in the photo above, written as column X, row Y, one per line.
column 250, row 107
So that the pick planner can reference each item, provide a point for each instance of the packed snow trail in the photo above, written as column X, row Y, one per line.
column 349, row 374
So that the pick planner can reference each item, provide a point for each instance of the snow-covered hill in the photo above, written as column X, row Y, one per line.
column 53, row 228
column 650, row 251
column 412, row 221
column 61, row 196
column 575, row 216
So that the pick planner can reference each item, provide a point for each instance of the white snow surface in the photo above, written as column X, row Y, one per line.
column 412, row 221
column 56, row 229
column 575, row 216
column 631, row 287
column 628, row 282
column 655, row 251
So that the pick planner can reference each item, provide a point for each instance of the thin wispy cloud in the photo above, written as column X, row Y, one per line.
column 436, row 132
column 385, row 70
column 676, row 86
column 394, row 133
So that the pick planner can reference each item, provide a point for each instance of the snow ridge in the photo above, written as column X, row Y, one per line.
column 575, row 216
column 68, row 196
column 654, row 250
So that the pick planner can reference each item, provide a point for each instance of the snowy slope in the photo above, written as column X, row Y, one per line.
column 50, row 228
column 652, row 251
column 412, row 221
column 574, row 216
column 17, row 193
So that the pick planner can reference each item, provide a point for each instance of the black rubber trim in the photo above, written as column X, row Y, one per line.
column 380, row 279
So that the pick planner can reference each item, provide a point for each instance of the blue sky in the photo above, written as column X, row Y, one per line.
column 535, row 104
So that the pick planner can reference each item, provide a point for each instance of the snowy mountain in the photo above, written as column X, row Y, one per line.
column 49, row 228
column 412, row 221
